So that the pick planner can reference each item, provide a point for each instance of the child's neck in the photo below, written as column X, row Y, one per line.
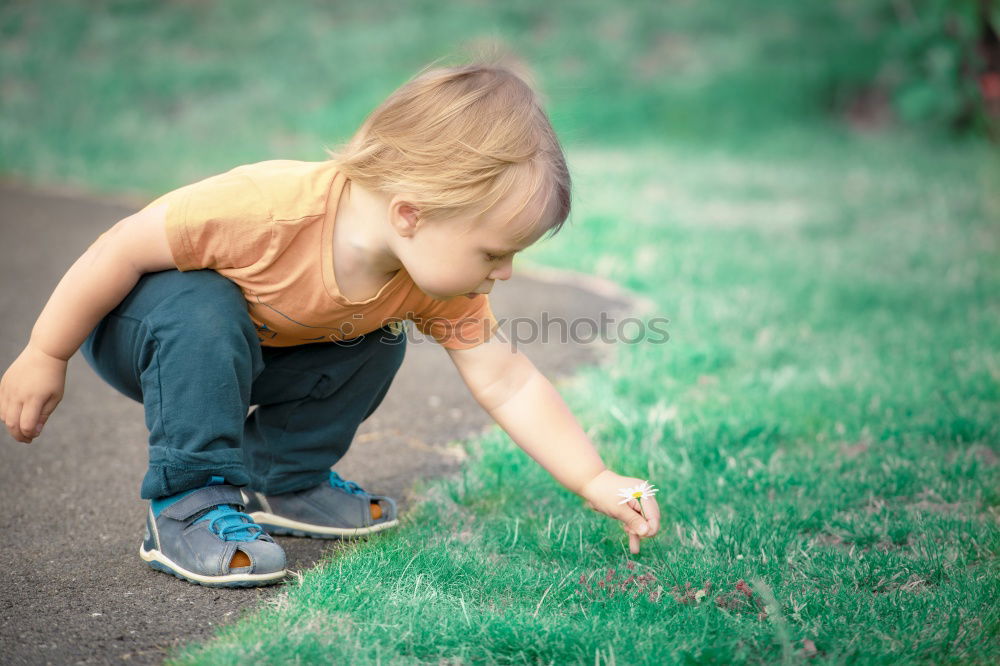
column 361, row 227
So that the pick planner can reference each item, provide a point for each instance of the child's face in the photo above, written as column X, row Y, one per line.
column 464, row 256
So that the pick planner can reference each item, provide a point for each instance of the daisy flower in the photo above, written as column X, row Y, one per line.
column 639, row 492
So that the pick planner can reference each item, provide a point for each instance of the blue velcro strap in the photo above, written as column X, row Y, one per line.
column 203, row 498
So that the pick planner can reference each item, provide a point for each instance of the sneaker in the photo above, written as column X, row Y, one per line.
column 334, row 509
column 203, row 537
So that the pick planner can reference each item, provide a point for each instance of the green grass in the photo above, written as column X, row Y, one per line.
column 822, row 423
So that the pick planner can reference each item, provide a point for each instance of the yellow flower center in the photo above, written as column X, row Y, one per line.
column 637, row 494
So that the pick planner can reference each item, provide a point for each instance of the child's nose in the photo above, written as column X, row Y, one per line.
column 504, row 271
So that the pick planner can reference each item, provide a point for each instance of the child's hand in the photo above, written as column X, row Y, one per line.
column 602, row 495
column 29, row 392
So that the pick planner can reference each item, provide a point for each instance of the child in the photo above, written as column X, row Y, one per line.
column 284, row 284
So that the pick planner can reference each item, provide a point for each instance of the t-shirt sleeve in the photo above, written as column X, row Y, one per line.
column 458, row 323
column 221, row 222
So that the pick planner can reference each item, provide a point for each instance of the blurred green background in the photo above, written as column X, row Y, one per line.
column 144, row 95
column 810, row 191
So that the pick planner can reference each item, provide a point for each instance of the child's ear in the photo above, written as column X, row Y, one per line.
column 404, row 216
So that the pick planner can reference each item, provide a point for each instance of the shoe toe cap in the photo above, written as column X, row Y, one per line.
column 267, row 556
column 390, row 515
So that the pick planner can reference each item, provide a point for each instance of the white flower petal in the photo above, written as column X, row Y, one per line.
column 639, row 492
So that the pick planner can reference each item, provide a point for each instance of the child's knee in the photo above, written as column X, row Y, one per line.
column 206, row 304
column 209, row 291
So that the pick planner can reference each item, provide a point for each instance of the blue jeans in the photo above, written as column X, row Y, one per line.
column 184, row 346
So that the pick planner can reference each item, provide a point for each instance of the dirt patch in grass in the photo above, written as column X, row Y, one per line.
column 631, row 584
column 986, row 456
column 830, row 540
column 853, row 450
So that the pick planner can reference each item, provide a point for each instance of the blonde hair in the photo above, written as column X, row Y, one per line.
column 460, row 137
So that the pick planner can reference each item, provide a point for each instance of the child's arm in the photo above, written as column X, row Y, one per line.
column 93, row 286
column 526, row 405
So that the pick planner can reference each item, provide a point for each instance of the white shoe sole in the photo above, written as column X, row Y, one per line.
column 161, row 562
column 273, row 524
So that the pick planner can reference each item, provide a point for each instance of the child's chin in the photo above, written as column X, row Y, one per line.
column 446, row 297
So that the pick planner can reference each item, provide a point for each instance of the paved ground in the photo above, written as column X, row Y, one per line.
column 75, row 590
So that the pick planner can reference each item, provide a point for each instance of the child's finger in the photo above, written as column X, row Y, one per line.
column 635, row 506
column 13, row 422
column 652, row 514
column 30, row 418
column 633, row 543
column 652, row 518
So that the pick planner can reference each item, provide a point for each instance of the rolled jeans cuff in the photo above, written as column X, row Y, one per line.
column 172, row 471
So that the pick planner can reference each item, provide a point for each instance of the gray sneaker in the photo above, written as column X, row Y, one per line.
column 205, row 539
column 333, row 509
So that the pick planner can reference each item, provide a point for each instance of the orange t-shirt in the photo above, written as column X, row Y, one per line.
column 268, row 227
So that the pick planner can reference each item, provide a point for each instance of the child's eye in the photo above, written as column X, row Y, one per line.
column 492, row 257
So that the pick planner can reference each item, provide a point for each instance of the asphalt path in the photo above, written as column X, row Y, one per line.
column 74, row 589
